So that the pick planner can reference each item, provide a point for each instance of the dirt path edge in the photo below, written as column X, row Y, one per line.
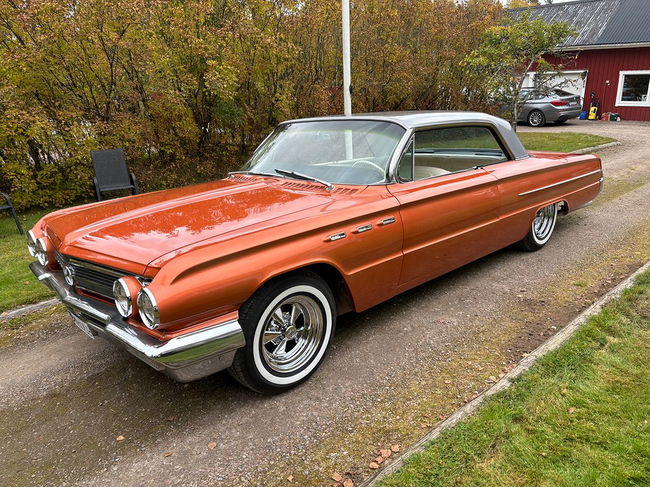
column 27, row 309
column 506, row 381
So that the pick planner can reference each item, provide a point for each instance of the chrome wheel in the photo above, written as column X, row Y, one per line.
column 292, row 334
column 288, row 324
column 544, row 223
column 536, row 118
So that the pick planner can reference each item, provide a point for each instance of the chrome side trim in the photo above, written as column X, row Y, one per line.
column 387, row 221
column 185, row 358
column 598, row 171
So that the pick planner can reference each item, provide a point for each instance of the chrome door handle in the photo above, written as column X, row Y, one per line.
column 363, row 228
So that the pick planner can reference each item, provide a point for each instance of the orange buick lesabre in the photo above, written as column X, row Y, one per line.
column 330, row 215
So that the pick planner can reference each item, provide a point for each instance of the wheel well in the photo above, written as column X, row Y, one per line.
column 335, row 281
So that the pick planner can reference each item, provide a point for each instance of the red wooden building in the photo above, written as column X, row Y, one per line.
column 613, row 53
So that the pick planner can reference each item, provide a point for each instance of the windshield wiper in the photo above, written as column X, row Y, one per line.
column 299, row 175
column 254, row 173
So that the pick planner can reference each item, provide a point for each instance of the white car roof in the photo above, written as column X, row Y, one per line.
column 418, row 119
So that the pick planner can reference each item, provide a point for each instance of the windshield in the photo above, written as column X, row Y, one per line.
column 334, row 151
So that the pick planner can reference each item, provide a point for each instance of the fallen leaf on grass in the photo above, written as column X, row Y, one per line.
column 290, row 478
column 212, row 445
column 385, row 453
column 348, row 483
column 379, row 460
column 394, row 448
column 167, row 454
column 337, row 477
column 120, row 438
column 374, row 465
column 571, row 410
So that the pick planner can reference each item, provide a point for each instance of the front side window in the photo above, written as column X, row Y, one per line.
column 634, row 88
column 335, row 151
column 451, row 149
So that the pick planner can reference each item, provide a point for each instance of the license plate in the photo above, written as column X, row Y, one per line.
column 82, row 326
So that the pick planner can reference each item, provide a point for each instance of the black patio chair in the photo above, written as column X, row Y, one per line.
column 111, row 173
column 10, row 206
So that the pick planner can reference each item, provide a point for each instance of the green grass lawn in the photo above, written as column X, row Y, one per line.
column 579, row 417
column 17, row 283
column 560, row 141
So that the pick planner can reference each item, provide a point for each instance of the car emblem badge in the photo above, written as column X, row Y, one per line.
column 68, row 274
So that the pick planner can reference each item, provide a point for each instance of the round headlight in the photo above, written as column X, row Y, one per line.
column 31, row 243
column 122, row 297
column 148, row 309
column 41, row 251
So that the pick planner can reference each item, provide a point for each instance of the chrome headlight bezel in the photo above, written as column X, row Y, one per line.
column 148, row 309
column 31, row 244
column 123, row 299
column 41, row 252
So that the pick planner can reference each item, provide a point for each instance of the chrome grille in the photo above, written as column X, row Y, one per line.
column 91, row 277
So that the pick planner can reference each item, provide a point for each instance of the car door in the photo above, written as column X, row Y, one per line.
column 449, row 205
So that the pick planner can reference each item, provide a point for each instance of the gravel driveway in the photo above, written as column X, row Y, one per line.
column 78, row 411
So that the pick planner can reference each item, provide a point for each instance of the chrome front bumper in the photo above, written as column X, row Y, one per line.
column 184, row 358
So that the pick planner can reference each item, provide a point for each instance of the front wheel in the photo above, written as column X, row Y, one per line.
column 541, row 229
column 288, row 324
column 536, row 118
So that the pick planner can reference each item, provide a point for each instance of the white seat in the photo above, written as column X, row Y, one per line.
column 423, row 172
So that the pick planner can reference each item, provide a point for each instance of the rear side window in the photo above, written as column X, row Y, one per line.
column 437, row 152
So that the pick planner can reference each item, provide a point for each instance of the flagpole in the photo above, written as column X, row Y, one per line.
column 345, row 16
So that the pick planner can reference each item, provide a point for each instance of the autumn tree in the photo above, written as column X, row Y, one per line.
column 510, row 50
column 188, row 88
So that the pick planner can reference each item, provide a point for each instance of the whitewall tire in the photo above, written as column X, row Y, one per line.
column 288, row 324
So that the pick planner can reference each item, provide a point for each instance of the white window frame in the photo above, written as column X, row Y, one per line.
column 619, row 93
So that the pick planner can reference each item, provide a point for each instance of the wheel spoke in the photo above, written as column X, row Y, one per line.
column 296, row 313
column 278, row 317
column 281, row 348
column 270, row 335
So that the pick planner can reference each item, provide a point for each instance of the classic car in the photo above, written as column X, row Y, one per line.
column 330, row 215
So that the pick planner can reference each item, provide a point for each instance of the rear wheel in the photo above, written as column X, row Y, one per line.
column 541, row 229
column 288, row 325
column 536, row 118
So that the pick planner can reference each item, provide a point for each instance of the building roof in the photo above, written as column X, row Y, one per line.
column 606, row 23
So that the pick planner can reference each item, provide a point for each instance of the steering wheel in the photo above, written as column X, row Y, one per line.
column 373, row 165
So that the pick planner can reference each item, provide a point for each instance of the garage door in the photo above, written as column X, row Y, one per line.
column 571, row 81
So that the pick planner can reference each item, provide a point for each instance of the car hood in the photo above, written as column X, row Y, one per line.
column 131, row 232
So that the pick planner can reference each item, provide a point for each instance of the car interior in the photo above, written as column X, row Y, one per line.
column 437, row 152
